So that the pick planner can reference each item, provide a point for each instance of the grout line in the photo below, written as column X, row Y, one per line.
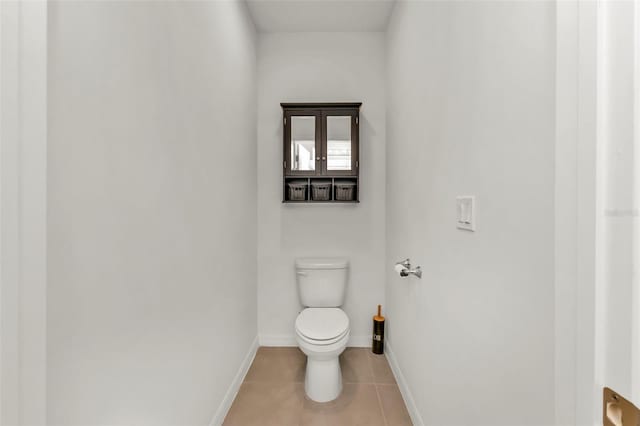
column 384, row 417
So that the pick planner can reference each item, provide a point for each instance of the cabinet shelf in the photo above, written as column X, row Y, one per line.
column 322, row 189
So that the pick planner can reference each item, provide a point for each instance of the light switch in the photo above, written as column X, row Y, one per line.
column 466, row 212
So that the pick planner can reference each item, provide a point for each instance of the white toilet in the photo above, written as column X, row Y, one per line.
column 322, row 328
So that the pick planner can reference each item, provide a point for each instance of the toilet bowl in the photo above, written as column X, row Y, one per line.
column 322, row 334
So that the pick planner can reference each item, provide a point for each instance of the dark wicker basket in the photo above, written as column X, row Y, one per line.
column 321, row 191
column 345, row 190
column 297, row 190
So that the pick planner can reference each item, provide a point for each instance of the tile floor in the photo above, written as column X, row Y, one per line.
column 273, row 392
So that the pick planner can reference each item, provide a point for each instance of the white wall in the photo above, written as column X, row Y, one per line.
column 635, row 339
column 23, row 256
column 317, row 67
column 617, row 305
column 152, row 209
column 565, row 204
column 616, row 97
column 597, row 165
column 471, row 111
column 577, row 398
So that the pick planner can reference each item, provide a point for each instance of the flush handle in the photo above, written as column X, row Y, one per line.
column 301, row 273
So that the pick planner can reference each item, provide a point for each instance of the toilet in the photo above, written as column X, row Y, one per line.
column 322, row 328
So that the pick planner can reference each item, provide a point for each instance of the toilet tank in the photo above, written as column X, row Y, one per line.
column 322, row 281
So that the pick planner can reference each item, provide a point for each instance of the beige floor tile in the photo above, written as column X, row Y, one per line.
column 381, row 371
column 277, row 364
column 266, row 404
column 356, row 366
column 357, row 405
column 395, row 412
column 273, row 393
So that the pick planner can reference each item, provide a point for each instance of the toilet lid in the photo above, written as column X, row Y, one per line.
column 322, row 323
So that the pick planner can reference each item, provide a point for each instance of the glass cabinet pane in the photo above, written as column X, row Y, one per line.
column 339, row 142
column 303, row 143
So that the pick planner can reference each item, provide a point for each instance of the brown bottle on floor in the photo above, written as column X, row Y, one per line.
column 378, row 333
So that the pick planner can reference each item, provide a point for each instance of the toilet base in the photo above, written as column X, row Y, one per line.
column 323, row 379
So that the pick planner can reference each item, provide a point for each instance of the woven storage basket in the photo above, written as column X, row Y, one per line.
column 345, row 190
column 321, row 191
column 297, row 190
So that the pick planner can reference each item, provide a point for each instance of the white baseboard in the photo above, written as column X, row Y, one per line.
column 355, row 341
column 361, row 341
column 225, row 405
column 277, row 340
column 416, row 418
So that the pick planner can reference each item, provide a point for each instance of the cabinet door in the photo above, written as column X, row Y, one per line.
column 340, row 142
column 302, row 142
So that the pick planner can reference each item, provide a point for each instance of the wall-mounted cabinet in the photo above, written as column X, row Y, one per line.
column 321, row 152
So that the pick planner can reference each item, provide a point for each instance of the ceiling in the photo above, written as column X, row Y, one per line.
column 320, row 15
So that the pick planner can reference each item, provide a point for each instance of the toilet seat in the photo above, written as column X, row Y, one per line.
column 321, row 342
column 322, row 326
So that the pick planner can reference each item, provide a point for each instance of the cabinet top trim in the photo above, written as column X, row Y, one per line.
column 289, row 105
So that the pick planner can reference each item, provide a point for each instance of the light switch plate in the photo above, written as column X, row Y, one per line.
column 466, row 212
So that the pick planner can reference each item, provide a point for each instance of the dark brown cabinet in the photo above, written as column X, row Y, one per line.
column 321, row 150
